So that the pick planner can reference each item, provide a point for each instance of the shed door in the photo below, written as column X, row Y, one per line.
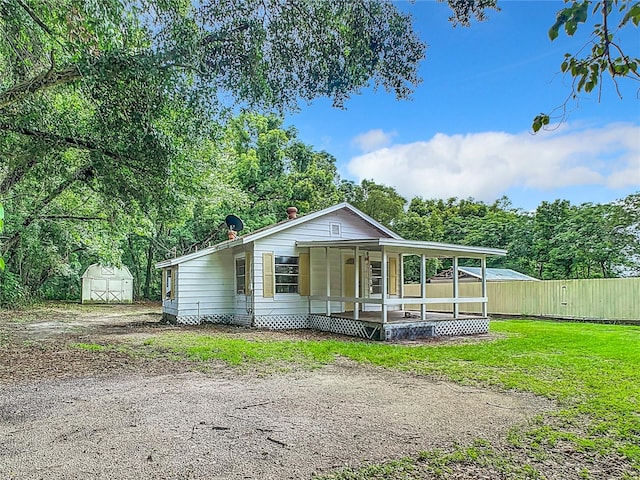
column 114, row 288
column 104, row 290
column 99, row 290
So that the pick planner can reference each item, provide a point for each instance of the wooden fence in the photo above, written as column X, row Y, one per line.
column 592, row 299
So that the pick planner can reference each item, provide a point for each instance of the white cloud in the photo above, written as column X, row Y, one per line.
column 372, row 140
column 485, row 165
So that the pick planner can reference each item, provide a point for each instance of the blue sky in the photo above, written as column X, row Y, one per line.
column 466, row 132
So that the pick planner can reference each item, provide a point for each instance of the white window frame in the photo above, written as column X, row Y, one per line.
column 168, row 285
column 291, row 266
column 372, row 286
column 240, row 286
column 338, row 229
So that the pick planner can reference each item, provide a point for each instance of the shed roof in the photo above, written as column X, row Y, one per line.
column 496, row 274
column 493, row 274
column 98, row 270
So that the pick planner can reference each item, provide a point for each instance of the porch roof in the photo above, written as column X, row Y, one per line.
column 408, row 247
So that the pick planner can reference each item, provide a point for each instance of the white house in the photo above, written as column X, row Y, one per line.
column 336, row 270
column 107, row 284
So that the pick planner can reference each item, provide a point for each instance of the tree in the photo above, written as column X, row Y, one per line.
column 378, row 201
column 101, row 104
column 274, row 170
column 603, row 54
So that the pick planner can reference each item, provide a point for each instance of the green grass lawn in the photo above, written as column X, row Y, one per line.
column 592, row 371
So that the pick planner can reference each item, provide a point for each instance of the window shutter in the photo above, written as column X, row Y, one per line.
column 174, row 282
column 303, row 275
column 393, row 276
column 163, row 293
column 268, row 278
column 247, row 273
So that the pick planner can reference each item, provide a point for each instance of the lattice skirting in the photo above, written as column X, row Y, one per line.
column 469, row 326
column 281, row 322
column 344, row 326
column 224, row 318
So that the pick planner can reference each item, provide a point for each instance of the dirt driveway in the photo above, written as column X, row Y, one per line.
column 67, row 413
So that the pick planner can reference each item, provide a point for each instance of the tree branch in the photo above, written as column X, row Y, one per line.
column 43, row 80
column 82, row 143
column 77, row 175
column 16, row 174
column 35, row 18
column 69, row 217
column 53, row 138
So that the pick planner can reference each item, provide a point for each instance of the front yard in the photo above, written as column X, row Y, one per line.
column 533, row 399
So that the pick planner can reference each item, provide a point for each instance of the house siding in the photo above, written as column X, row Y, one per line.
column 284, row 243
column 205, row 286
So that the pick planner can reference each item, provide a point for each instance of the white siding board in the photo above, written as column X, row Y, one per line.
column 206, row 285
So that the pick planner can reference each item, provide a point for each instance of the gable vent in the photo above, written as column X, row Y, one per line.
column 335, row 230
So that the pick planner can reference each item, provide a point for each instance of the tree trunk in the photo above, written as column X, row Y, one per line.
column 136, row 270
column 147, row 280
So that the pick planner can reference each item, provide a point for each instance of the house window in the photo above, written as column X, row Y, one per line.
column 240, row 275
column 168, row 285
column 375, row 277
column 287, row 271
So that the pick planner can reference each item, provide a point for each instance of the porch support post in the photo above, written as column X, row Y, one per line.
column 356, row 265
column 401, row 258
column 456, row 289
column 328, row 274
column 483, row 267
column 385, row 284
column 423, row 286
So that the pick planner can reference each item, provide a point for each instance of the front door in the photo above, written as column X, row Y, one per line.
column 349, row 277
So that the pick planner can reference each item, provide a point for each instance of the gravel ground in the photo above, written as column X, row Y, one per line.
column 67, row 414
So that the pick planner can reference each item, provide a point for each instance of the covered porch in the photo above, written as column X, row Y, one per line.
column 363, row 281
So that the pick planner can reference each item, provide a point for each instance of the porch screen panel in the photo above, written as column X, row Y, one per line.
column 268, row 278
column 393, row 275
column 303, row 277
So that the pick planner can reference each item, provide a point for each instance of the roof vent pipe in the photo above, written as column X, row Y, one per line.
column 292, row 212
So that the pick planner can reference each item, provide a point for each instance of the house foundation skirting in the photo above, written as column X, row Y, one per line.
column 345, row 326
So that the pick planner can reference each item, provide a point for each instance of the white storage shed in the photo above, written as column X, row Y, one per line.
column 107, row 284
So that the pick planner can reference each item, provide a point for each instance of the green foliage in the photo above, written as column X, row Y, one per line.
column 1, row 227
column 12, row 291
column 378, row 201
column 603, row 53
column 557, row 241
column 110, row 117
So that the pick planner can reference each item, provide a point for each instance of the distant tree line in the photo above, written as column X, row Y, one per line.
column 254, row 167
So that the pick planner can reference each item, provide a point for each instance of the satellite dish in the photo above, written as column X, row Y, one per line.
column 234, row 223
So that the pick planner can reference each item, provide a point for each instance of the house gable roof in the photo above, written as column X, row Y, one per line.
column 278, row 227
